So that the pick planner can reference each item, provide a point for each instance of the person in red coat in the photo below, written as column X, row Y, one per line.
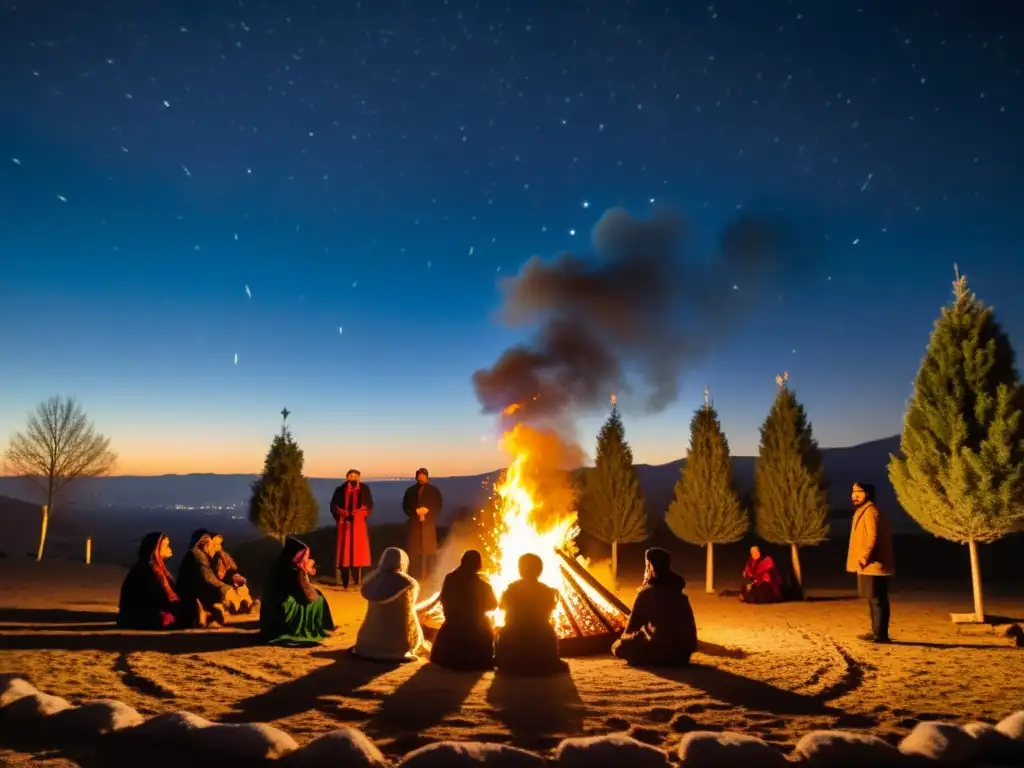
column 351, row 504
column 764, row 583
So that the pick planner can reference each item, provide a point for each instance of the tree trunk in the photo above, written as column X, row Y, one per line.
column 709, row 576
column 42, row 532
column 979, row 603
column 794, row 552
column 615, row 565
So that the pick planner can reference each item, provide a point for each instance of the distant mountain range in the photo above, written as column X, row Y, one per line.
column 866, row 462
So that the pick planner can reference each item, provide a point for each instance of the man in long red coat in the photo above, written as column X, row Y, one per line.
column 351, row 504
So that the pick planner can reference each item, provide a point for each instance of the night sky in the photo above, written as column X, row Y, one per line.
column 210, row 211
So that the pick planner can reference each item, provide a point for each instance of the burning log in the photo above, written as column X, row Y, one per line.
column 588, row 619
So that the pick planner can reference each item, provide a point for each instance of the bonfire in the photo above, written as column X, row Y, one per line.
column 532, row 511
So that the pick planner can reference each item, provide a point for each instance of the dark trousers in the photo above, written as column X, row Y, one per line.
column 350, row 574
column 876, row 590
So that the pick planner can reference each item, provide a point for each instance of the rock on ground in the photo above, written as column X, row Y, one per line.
column 15, row 688
column 35, row 706
column 243, row 740
column 1013, row 726
column 97, row 718
column 470, row 754
column 844, row 749
column 345, row 746
column 704, row 749
column 942, row 743
column 171, row 726
column 611, row 751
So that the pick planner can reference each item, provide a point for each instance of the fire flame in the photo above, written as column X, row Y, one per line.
column 521, row 521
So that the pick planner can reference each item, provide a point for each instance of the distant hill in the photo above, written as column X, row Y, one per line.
column 867, row 462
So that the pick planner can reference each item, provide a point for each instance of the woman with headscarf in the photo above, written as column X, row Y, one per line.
column 526, row 644
column 293, row 611
column 661, row 630
column 390, row 631
column 226, row 569
column 763, row 583
column 197, row 582
column 465, row 641
column 148, row 597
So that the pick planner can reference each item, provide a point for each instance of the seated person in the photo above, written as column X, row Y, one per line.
column 148, row 598
column 197, row 582
column 527, row 644
column 465, row 642
column 293, row 612
column 763, row 581
column 390, row 630
column 225, row 569
column 661, row 628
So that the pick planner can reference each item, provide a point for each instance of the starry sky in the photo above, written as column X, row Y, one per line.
column 210, row 211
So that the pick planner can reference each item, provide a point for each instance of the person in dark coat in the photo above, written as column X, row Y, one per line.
column 294, row 613
column 351, row 505
column 198, row 582
column 148, row 597
column 661, row 630
column 527, row 644
column 465, row 641
column 422, row 504
column 763, row 582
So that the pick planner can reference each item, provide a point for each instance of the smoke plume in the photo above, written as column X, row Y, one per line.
column 639, row 308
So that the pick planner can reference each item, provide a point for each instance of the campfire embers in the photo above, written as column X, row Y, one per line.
column 588, row 619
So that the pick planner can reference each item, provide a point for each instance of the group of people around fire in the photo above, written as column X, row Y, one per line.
column 661, row 629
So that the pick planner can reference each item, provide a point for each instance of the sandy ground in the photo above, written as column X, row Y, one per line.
column 773, row 671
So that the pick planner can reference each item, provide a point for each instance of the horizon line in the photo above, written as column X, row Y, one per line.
column 397, row 478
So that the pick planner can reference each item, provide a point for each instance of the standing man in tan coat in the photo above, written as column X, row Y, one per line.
column 871, row 558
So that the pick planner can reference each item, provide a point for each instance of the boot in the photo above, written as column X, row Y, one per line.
column 337, row 577
column 218, row 615
column 202, row 617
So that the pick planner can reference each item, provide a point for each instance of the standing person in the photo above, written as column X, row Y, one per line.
column 351, row 504
column 422, row 504
column 871, row 558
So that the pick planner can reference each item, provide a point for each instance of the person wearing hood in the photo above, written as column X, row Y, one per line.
column 661, row 630
column 390, row 630
column 148, row 597
column 763, row 583
column 465, row 641
column 526, row 644
column 198, row 582
column 872, row 558
column 293, row 612
column 351, row 505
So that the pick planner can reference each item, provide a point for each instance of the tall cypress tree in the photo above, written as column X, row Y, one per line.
column 612, row 507
column 282, row 502
column 706, row 509
column 790, row 495
column 961, row 473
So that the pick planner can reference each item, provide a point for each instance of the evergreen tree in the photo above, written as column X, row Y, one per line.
column 612, row 507
column 282, row 502
column 790, row 495
column 706, row 509
column 961, row 473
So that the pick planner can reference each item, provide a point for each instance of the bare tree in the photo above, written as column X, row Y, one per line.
column 59, row 445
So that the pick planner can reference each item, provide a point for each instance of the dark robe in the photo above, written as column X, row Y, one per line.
column 527, row 644
column 661, row 628
column 764, row 582
column 422, row 538
column 465, row 641
column 149, row 599
column 293, row 612
column 352, row 537
column 197, row 581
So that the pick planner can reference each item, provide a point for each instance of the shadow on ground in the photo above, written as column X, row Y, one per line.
column 744, row 692
column 189, row 641
column 55, row 616
column 317, row 690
